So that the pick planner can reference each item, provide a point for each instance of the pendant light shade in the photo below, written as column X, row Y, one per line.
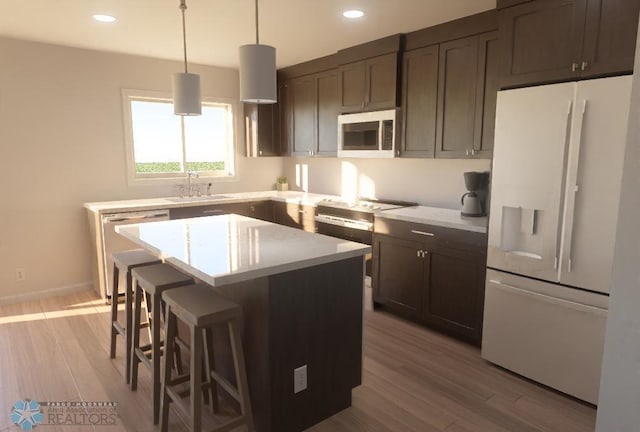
column 258, row 71
column 258, row 74
column 186, row 86
column 186, row 94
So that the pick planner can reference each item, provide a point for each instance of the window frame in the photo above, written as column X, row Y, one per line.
column 129, row 95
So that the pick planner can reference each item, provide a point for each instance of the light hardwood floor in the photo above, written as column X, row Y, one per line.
column 414, row 379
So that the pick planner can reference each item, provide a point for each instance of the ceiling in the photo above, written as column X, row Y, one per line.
column 299, row 29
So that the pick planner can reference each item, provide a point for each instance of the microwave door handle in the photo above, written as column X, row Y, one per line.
column 380, row 134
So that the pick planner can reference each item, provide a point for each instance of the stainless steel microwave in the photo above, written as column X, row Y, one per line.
column 368, row 134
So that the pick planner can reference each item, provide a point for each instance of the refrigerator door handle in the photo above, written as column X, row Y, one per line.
column 573, row 187
column 556, row 259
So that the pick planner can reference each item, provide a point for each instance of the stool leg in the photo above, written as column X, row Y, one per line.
column 209, row 361
column 155, row 355
column 114, row 310
column 128, row 329
column 196, row 379
column 241, row 373
column 170, row 334
column 135, row 343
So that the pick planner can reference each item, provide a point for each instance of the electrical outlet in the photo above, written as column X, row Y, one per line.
column 300, row 379
column 21, row 274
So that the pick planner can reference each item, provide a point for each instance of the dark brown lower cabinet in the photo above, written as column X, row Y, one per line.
column 437, row 281
column 294, row 215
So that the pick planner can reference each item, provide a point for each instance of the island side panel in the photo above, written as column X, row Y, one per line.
column 316, row 317
column 253, row 296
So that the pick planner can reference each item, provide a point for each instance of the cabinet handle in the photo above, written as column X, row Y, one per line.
column 423, row 233
column 466, row 152
column 260, row 152
column 217, row 211
column 574, row 67
column 473, row 152
column 418, row 253
column 584, row 65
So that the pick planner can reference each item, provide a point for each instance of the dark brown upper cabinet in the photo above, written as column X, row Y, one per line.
column 314, row 114
column 369, row 84
column 487, row 94
column 558, row 40
column 368, row 75
column 262, row 130
column 457, row 87
column 467, row 92
column 449, row 89
column 419, row 101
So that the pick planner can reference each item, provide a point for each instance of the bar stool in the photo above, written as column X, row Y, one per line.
column 152, row 281
column 125, row 261
column 202, row 309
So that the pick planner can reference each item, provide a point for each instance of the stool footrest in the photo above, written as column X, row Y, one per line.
column 119, row 328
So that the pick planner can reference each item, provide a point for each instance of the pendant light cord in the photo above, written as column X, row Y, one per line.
column 183, row 7
column 257, row 24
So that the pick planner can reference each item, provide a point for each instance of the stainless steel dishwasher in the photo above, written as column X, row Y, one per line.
column 114, row 242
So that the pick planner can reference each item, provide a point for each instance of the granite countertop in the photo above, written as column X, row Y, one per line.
column 437, row 216
column 225, row 249
column 295, row 197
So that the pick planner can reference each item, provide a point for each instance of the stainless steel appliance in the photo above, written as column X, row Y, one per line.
column 555, row 189
column 472, row 201
column 114, row 242
column 368, row 134
column 353, row 220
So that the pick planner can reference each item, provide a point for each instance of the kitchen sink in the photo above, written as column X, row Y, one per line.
column 198, row 198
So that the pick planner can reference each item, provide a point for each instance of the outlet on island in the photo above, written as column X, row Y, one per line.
column 300, row 379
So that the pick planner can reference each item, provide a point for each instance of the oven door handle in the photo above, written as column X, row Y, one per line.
column 364, row 226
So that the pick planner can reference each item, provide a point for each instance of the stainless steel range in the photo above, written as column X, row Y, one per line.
column 353, row 220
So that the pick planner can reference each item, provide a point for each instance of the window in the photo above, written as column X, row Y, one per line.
column 161, row 145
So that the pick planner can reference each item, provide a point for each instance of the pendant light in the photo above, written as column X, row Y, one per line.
column 186, row 86
column 258, row 71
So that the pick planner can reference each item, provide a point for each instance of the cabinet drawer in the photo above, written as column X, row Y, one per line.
column 199, row 211
column 432, row 235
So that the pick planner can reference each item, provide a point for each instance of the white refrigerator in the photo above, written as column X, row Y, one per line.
column 555, row 190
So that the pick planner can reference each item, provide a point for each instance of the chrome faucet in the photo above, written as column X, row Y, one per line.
column 190, row 175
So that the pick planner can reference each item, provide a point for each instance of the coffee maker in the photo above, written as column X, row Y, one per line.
column 473, row 202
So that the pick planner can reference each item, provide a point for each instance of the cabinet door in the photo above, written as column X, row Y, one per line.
column 457, row 97
column 487, row 94
column 610, row 37
column 352, row 87
column 285, row 119
column 542, row 41
column 419, row 96
column 381, row 75
column 303, row 106
column 400, row 274
column 328, row 110
column 456, row 293
column 260, row 127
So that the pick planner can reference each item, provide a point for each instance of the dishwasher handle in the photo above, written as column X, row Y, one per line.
column 134, row 218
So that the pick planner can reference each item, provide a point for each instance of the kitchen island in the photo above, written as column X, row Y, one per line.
column 302, row 299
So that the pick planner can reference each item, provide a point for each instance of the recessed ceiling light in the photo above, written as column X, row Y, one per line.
column 353, row 14
column 104, row 18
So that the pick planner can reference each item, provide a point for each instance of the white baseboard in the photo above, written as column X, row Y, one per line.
column 51, row 292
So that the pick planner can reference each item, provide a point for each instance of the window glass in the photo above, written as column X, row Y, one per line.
column 163, row 145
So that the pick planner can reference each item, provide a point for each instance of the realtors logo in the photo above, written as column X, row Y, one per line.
column 26, row 414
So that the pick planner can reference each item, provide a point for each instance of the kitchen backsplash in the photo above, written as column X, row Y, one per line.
column 433, row 182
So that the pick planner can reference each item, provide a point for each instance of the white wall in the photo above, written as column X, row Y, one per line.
column 61, row 144
column 618, row 408
column 432, row 182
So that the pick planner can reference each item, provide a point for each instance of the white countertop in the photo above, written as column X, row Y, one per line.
column 437, row 216
column 173, row 202
column 225, row 249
